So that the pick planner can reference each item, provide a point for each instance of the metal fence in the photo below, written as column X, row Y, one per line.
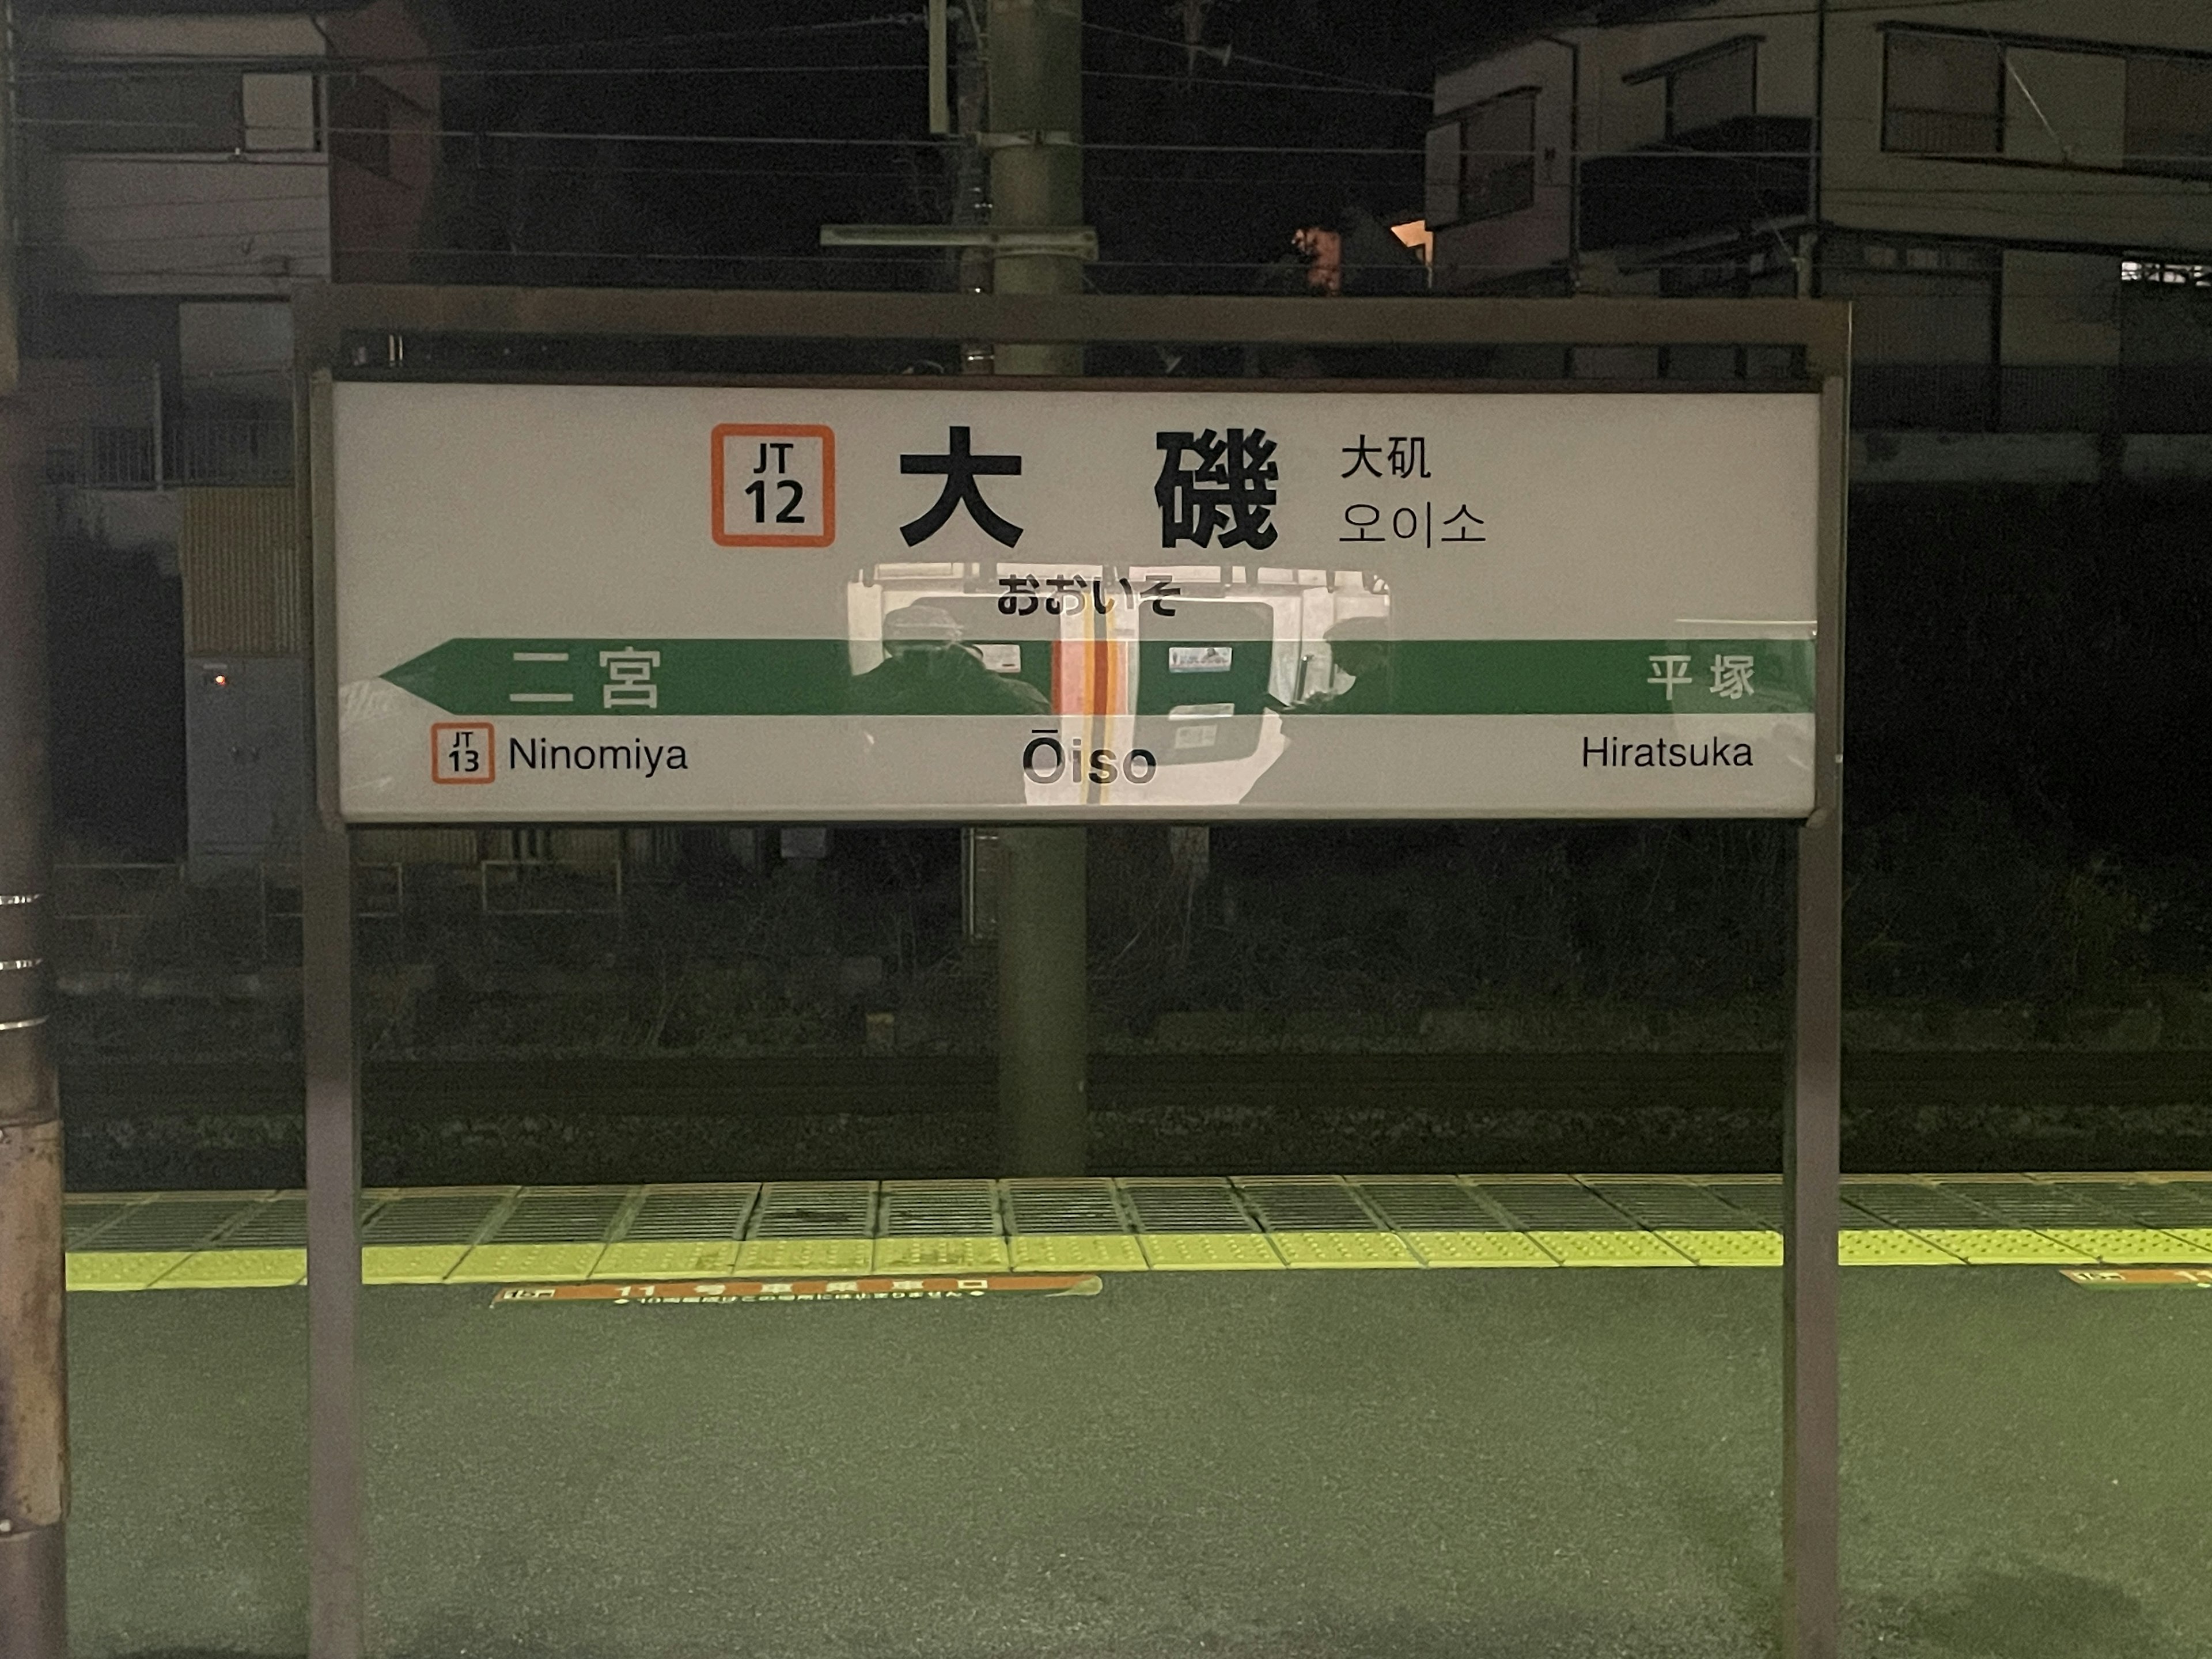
column 90, row 457
column 229, row 451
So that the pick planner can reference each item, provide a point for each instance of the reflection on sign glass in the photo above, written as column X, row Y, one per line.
column 1199, row 659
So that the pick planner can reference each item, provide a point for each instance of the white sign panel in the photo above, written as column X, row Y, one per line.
column 966, row 603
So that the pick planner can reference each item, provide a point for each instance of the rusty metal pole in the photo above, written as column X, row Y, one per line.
column 33, row 1374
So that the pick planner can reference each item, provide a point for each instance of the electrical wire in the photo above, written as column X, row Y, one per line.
column 2191, row 159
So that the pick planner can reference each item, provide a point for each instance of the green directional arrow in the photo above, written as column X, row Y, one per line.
column 650, row 677
column 632, row 675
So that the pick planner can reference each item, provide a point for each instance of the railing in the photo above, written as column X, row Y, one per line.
column 532, row 887
column 187, row 453
column 229, row 451
column 102, row 457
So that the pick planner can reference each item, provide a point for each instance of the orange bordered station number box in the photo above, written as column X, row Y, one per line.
column 461, row 751
column 774, row 486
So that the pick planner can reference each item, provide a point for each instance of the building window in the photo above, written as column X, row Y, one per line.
column 1942, row 94
column 361, row 123
column 2169, row 115
column 1721, row 86
column 1498, row 151
column 112, row 108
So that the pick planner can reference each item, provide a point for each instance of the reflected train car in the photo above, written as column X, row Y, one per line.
column 1192, row 665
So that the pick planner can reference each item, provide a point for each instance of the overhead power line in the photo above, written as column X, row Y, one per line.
column 2189, row 159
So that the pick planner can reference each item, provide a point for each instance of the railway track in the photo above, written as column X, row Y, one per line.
column 1302, row 1084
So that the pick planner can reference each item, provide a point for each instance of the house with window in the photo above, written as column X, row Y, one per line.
column 2016, row 194
column 183, row 171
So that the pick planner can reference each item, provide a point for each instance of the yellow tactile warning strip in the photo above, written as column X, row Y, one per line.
column 1074, row 1226
column 624, row 1235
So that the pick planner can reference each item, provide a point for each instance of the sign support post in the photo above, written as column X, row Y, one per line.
column 325, row 318
column 1812, row 1154
column 1034, row 83
column 335, row 1600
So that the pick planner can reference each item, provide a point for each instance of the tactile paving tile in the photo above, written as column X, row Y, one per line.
column 1947, row 1218
column 1610, row 1247
column 1077, row 1253
column 2070, row 1217
column 1318, row 1221
column 2195, row 1191
column 1873, row 1245
column 266, row 1248
column 1722, row 1246
column 560, row 1215
column 151, row 1240
column 815, row 1209
column 679, row 1232
column 1666, row 1206
column 939, row 1225
column 1319, row 1204
column 938, row 1209
column 1864, row 1240
column 2150, row 1203
column 2032, row 1204
column 418, row 1238
column 1574, row 1224
column 235, row 1270
column 1329, row 1248
column 1903, row 1201
column 682, row 1212
column 178, row 1221
column 1446, row 1224
column 1758, row 1197
column 666, row 1257
column 795, row 1256
column 1197, row 1251
column 1696, row 1220
column 550, row 1233
column 2164, row 1212
column 942, row 1253
column 1464, row 1248
column 1429, row 1204
column 1196, row 1222
column 83, row 1218
column 1036, row 1204
column 1544, row 1203
column 1186, row 1204
column 1069, row 1226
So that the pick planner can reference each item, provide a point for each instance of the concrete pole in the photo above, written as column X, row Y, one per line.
column 33, row 1373
column 1035, row 54
column 1035, row 87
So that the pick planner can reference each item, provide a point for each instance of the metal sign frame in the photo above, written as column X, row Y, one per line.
column 324, row 318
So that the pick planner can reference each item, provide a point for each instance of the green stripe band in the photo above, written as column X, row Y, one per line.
column 520, row 678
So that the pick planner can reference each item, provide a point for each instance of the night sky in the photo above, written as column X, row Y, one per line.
column 1306, row 76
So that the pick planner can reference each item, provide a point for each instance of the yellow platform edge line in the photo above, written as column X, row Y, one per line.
column 463, row 1261
column 111, row 1271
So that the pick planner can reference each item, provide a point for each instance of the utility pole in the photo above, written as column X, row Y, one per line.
column 1031, row 102
column 34, row 1377
column 1035, row 82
